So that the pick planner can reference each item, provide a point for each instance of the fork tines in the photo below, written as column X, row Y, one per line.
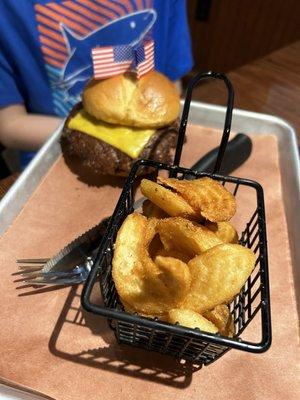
column 32, row 260
column 32, row 264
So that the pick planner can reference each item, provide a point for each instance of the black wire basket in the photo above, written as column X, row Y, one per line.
column 201, row 348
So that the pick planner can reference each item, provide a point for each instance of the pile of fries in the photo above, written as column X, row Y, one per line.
column 179, row 261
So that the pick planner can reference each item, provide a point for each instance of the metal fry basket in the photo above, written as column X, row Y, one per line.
column 201, row 348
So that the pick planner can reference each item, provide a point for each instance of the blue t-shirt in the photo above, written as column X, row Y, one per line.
column 45, row 45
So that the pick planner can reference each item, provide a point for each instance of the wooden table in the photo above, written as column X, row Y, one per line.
column 269, row 85
column 6, row 183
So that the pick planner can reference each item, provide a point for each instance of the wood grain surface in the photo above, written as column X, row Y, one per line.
column 269, row 85
column 6, row 183
column 238, row 32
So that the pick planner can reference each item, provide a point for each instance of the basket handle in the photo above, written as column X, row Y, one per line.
column 185, row 115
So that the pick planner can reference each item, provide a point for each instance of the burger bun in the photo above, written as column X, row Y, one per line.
column 149, row 102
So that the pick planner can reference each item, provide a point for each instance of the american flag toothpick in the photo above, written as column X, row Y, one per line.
column 114, row 60
column 144, row 58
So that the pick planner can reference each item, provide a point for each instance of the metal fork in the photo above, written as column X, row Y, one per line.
column 71, row 271
column 33, row 273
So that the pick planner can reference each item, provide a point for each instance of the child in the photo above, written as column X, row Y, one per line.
column 45, row 55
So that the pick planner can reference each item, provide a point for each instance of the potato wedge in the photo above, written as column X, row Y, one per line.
column 186, row 236
column 206, row 196
column 217, row 276
column 173, row 253
column 143, row 285
column 224, row 231
column 175, row 275
column 150, row 210
column 173, row 204
column 191, row 319
column 221, row 317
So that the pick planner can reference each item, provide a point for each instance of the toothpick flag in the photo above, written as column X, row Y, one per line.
column 114, row 60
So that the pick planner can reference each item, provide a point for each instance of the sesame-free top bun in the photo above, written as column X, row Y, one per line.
column 149, row 102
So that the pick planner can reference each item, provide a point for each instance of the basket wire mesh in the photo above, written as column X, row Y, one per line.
column 172, row 339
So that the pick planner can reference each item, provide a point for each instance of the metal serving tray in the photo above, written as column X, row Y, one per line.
column 201, row 114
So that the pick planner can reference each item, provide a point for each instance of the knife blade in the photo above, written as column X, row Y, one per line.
column 76, row 252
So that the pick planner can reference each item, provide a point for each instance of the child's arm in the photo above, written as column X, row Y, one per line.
column 24, row 131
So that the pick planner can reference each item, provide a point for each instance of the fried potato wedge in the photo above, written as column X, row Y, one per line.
column 217, row 276
column 131, row 310
column 224, row 231
column 150, row 210
column 221, row 317
column 186, row 236
column 191, row 319
column 173, row 253
column 175, row 275
column 173, row 204
column 145, row 286
column 206, row 196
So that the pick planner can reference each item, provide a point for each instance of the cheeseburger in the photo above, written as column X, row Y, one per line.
column 120, row 120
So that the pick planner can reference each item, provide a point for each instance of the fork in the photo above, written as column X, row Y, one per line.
column 40, row 271
column 33, row 273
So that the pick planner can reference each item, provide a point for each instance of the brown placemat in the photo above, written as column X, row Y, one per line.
column 49, row 344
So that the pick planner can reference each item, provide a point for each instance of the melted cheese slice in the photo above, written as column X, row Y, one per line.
column 129, row 140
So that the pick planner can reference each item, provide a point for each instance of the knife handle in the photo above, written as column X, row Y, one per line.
column 237, row 152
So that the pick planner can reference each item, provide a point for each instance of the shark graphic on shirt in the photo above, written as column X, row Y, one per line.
column 129, row 29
